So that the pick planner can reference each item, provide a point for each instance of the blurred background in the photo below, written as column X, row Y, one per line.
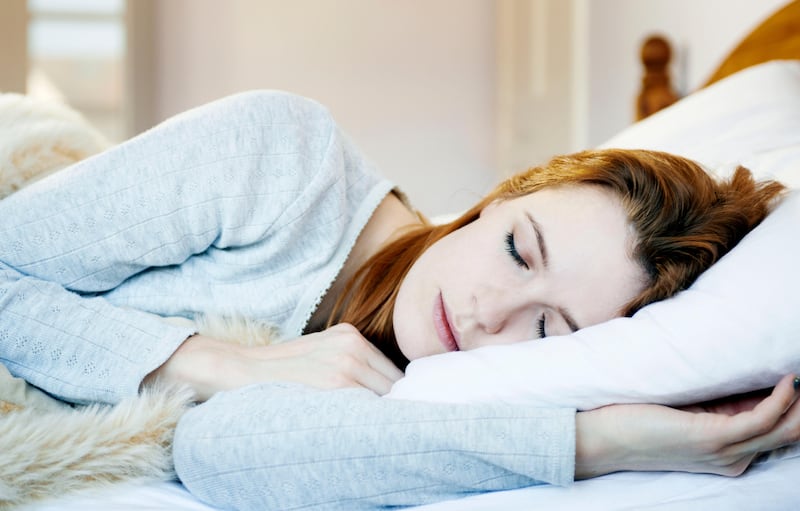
column 445, row 96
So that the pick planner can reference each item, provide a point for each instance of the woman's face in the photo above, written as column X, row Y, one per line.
column 544, row 264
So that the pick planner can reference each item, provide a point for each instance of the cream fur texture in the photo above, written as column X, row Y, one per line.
column 40, row 137
column 49, row 448
column 237, row 330
column 45, row 452
column 49, row 453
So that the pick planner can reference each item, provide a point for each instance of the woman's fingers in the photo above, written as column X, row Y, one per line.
column 375, row 381
column 764, row 416
column 367, row 367
column 337, row 357
column 773, row 423
column 652, row 437
column 378, row 373
column 383, row 365
column 382, row 374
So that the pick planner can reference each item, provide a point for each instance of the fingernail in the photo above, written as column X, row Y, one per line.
column 796, row 382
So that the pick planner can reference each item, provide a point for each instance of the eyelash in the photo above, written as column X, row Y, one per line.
column 511, row 248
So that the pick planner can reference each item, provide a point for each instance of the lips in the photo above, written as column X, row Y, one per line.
column 444, row 328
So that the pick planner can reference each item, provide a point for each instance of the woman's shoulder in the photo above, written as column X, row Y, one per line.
column 279, row 106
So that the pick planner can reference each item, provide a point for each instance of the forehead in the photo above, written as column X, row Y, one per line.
column 590, row 242
column 574, row 197
column 593, row 211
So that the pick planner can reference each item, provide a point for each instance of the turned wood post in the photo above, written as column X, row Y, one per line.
column 656, row 92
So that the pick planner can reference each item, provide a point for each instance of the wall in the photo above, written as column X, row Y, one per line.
column 445, row 95
column 412, row 82
column 13, row 55
column 537, row 73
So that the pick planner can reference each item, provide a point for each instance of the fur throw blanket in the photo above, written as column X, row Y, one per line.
column 48, row 447
column 40, row 137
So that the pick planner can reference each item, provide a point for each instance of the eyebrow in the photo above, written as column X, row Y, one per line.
column 537, row 229
column 569, row 319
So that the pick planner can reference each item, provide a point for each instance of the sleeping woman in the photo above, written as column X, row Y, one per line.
column 257, row 206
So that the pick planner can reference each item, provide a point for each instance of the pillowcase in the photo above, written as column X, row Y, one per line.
column 751, row 118
column 734, row 330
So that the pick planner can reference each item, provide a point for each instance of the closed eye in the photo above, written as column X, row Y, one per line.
column 511, row 248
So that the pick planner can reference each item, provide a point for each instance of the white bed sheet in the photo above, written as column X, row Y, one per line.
column 770, row 484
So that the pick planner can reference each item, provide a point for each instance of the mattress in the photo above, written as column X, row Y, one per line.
column 771, row 483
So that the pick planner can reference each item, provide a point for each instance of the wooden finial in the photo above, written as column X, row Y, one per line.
column 657, row 91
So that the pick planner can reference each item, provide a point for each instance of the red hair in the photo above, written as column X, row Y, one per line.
column 684, row 220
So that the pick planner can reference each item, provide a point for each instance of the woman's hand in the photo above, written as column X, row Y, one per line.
column 337, row 357
column 706, row 439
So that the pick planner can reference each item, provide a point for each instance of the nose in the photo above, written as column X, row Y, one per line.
column 499, row 310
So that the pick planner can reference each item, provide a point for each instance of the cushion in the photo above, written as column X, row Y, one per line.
column 735, row 330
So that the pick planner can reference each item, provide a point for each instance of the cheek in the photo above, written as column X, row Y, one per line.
column 408, row 311
column 429, row 266
column 412, row 319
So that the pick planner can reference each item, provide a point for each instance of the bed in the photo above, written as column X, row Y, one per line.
column 748, row 113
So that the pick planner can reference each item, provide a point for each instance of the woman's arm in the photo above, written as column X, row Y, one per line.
column 720, row 439
column 290, row 447
column 78, row 349
column 221, row 176
column 286, row 446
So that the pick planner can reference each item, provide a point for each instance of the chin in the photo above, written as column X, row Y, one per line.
column 408, row 342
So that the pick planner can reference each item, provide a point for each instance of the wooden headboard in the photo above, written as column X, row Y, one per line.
column 778, row 37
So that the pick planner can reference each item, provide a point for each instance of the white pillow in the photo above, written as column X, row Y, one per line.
column 736, row 329
column 751, row 118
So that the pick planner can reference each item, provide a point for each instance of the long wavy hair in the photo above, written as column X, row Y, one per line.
column 684, row 220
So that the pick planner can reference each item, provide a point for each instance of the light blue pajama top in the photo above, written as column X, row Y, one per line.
column 248, row 206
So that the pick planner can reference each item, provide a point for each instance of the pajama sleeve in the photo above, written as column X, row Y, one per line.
column 289, row 447
column 218, row 176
